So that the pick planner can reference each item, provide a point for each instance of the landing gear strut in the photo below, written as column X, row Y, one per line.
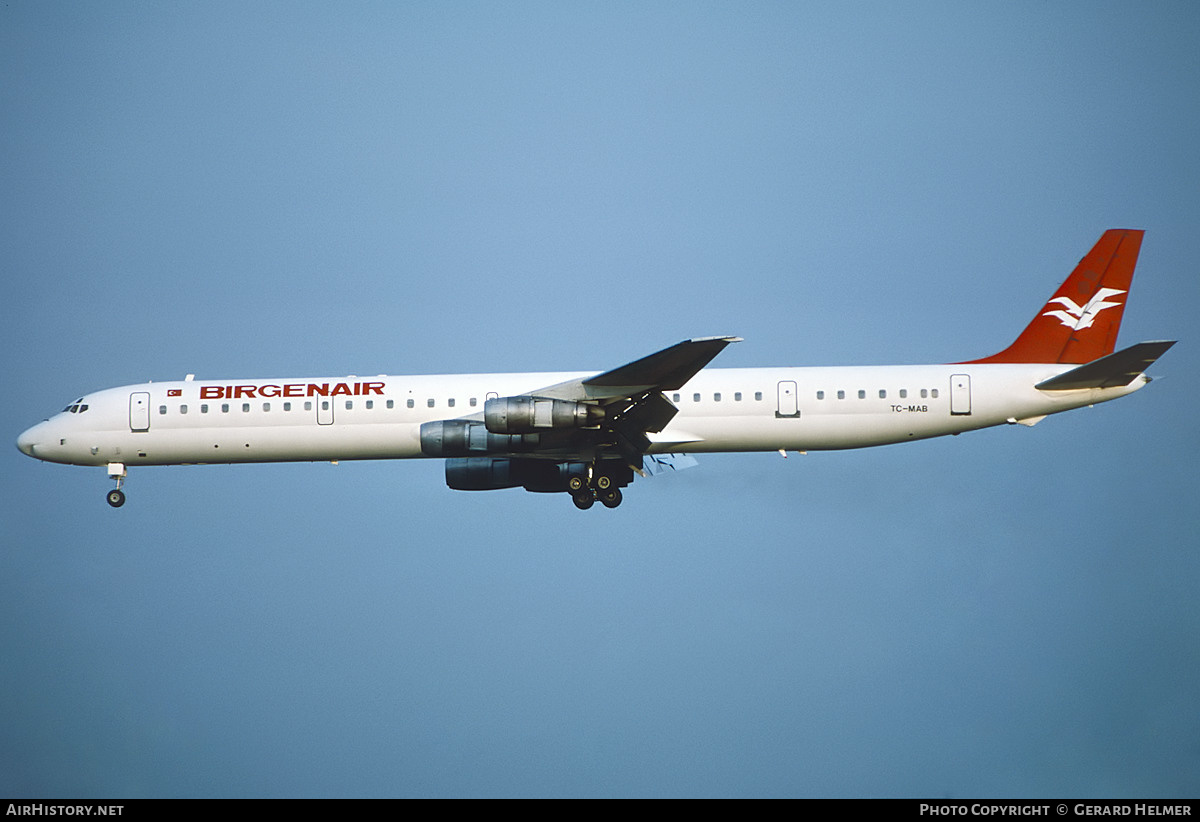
column 116, row 497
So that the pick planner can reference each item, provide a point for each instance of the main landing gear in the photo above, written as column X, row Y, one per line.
column 601, row 487
column 116, row 497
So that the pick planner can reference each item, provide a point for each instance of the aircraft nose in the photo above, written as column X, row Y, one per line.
column 27, row 442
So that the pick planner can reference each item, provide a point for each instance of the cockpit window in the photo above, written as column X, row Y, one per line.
column 77, row 407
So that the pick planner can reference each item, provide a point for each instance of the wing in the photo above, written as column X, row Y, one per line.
column 632, row 397
column 664, row 370
column 607, row 418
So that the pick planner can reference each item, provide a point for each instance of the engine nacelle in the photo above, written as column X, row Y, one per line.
column 462, row 438
column 490, row 473
column 480, row 474
column 525, row 415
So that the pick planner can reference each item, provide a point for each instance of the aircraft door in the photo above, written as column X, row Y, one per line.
column 324, row 411
column 960, row 394
column 139, row 411
column 788, row 406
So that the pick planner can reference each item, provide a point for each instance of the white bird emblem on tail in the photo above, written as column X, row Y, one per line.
column 1078, row 318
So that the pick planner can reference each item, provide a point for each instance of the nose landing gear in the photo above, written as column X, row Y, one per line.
column 116, row 497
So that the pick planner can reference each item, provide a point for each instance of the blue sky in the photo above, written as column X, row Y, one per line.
column 271, row 189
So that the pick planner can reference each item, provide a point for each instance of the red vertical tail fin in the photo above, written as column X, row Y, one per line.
column 1080, row 322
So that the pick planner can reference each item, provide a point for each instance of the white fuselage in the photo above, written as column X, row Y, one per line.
column 344, row 418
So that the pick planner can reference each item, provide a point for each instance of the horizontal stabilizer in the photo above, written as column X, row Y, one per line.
column 1114, row 370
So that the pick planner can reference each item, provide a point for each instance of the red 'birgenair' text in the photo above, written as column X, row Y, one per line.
column 292, row 389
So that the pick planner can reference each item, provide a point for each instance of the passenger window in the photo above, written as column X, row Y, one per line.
column 924, row 393
column 287, row 406
column 245, row 407
column 862, row 395
column 695, row 398
column 737, row 396
column 370, row 404
column 411, row 404
column 903, row 393
column 472, row 402
column 820, row 395
column 717, row 397
column 204, row 408
column 183, row 409
column 162, row 409
column 450, row 402
column 758, row 396
column 882, row 394
column 349, row 404
column 224, row 408
column 841, row 395
column 675, row 397
column 308, row 405
column 266, row 406
column 429, row 402
column 933, row 393
column 391, row 403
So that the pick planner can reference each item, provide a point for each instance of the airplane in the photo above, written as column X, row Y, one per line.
column 587, row 434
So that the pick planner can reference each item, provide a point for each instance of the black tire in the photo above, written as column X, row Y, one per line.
column 583, row 501
column 116, row 498
column 611, row 498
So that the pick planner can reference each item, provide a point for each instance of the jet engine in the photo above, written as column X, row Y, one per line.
column 460, row 438
column 525, row 415
column 489, row 473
